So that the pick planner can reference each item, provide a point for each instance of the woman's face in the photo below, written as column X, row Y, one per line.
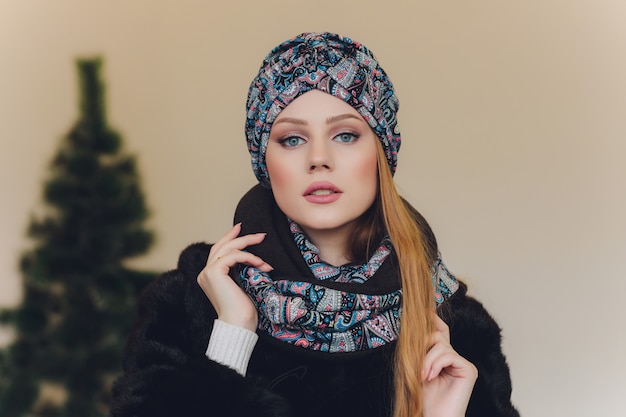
column 321, row 160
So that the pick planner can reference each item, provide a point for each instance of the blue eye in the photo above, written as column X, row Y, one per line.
column 346, row 137
column 291, row 141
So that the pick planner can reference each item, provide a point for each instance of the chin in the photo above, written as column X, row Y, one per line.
column 324, row 225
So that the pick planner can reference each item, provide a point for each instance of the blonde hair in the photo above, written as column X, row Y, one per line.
column 390, row 214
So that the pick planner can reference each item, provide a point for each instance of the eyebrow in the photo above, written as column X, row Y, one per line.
column 335, row 119
column 331, row 120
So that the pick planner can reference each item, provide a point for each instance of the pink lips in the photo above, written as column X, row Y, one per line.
column 322, row 192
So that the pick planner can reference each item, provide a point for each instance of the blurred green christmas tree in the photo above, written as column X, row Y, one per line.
column 79, row 298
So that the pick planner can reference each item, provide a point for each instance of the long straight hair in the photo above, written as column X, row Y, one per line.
column 391, row 215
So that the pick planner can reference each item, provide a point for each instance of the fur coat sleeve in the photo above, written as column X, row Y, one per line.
column 166, row 372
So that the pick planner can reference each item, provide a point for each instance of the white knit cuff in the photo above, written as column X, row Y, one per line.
column 231, row 346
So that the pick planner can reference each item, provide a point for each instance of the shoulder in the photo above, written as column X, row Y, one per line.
column 476, row 336
column 472, row 328
column 174, row 307
column 193, row 258
column 172, row 286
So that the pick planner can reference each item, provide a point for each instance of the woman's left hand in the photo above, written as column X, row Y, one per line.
column 447, row 377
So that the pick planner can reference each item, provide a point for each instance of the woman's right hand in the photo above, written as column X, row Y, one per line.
column 231, row 303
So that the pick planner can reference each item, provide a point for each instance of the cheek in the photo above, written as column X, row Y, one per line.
column 279, row 172
column 367, row 171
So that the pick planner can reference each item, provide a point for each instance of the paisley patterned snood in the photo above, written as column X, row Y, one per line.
column 327, row 62
column 330, row 309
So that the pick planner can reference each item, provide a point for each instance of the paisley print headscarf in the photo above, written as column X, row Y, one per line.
column 328, row 62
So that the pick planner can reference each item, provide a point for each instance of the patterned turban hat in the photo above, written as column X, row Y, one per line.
column 327, row 62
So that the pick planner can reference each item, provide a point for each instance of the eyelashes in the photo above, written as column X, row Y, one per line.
column 346, row 137
column 292, row 141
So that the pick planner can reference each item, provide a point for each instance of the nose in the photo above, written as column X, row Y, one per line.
column 320, row 155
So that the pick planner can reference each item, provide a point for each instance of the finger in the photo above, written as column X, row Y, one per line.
column 244, row 241
column 230, row 241
column 439, row 361
column 454, row 365
column 225, row 242
column 442, row 358
column 228, row 260
column 438, row 337
column 230, row 235
column 436, row 350
column 441, row 327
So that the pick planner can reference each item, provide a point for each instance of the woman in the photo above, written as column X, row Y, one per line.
column 325, row 298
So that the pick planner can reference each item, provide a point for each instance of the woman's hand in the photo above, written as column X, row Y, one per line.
column 231, row 303
column 447, row 377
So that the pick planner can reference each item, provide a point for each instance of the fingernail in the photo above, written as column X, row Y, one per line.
column 431, row 375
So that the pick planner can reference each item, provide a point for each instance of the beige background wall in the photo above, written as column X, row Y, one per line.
column 514, row 123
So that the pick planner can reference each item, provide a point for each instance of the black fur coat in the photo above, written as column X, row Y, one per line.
column 166, row 372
